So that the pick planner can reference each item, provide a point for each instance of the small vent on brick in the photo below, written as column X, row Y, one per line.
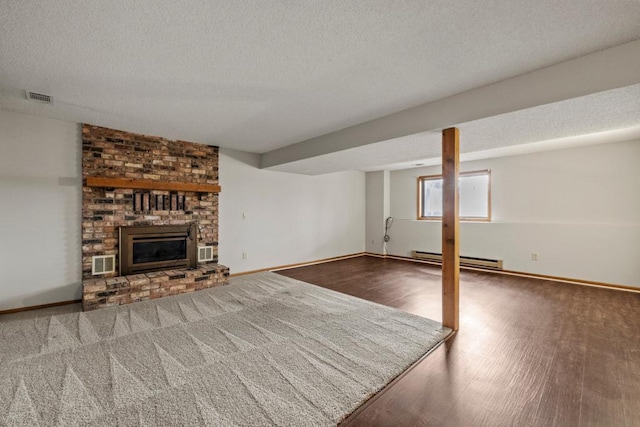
column 46, row 99
column 205, row 253
column 103, row 264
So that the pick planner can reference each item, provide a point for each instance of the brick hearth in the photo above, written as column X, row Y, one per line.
column 108, row 153
column 113, row 291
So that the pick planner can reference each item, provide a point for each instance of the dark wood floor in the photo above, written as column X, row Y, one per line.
column 529, row 352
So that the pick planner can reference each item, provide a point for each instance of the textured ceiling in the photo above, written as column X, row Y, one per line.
column 612, row 115
column 260, row 75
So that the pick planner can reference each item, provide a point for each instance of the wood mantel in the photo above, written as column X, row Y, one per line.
column 151, row 185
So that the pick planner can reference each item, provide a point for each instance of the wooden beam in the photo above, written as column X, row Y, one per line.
column 450, row 228
column 151, row 185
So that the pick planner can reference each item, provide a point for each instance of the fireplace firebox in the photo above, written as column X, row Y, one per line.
column 160, row 247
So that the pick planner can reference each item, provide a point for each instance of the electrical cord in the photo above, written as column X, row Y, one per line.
column 386, row 238
column 387, row 225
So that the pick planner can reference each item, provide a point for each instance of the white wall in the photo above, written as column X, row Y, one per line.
column 289, row 218
column 578, row 209
column 377, row 206
column 40, row 210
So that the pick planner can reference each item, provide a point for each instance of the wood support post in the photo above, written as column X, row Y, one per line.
column 450, row 228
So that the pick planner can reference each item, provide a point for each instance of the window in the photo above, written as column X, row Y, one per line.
column 474, row 192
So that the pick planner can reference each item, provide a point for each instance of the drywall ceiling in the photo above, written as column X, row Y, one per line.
column 260, row 76
column 603, row 117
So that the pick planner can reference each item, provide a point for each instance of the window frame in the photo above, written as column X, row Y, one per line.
column 423, row 178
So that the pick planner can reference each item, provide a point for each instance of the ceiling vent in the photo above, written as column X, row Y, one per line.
column 46, row 99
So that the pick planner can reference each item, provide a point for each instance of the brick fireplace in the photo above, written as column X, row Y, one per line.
column 138, row 180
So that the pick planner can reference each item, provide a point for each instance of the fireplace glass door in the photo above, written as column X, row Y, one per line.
column 152, row 248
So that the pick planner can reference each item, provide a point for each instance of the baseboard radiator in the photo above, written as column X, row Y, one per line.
column 492, row 264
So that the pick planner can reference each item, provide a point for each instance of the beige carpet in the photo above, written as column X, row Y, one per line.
column 264, row 350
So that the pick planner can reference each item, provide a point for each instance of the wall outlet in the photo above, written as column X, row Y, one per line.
column 534, row 256
column 244, row 255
